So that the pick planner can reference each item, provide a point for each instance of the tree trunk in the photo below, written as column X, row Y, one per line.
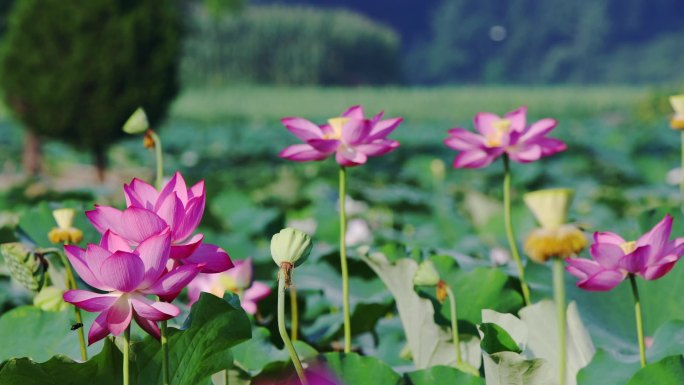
column 100, row 163
column 32, row 159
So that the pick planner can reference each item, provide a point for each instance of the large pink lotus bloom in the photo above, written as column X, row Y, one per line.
column 128, row 277
column 176, row 206
column 651, row 256
column 238, row 280
column 508, row 135
column 351, row 137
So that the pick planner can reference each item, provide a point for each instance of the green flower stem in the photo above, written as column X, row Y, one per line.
column 681, row 174
column 559, row 298
column 165, row 352
column 71, row 285
column 343, row 261
column 163, row 324
column 126, row 354
column 294, row 323
column 454, row 325
column 160, row 159
column 281, row 327
column 639, row 323
column 509, row 230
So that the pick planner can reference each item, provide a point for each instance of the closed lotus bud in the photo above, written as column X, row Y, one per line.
column 677, row 121
column 65, row 232
column 550, row 207
column 137, row 123
column 50, row 299
column 438, row 169
column 25, row 265
column 426, row 275
column 290, row 246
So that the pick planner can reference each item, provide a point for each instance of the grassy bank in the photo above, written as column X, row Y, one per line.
column 260, row 104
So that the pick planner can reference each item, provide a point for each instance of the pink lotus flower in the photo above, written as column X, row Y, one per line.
column 238, row 280
column 129, row 277
column 651, row 256
column 508, row 135
column 148, row 211
column 352, row 138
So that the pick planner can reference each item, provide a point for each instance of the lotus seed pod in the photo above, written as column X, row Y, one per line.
column 550, row 207
column 677, row 121
column 25, row 265
column 65, row 232
column 426, row 275
column 137, row 123
column 290, row 246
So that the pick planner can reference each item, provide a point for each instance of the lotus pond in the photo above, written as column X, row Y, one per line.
column 180, row 286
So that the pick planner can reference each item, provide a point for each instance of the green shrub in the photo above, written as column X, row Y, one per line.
column 75, row 70
column 290, row 45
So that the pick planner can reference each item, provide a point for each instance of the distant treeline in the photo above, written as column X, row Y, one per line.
column 289, row 45
column 533, row 41
column 551, row 41
column 432, row 41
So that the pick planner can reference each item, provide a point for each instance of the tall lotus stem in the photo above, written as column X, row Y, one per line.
column 71, row 285
column 509, row 230
column 126, row 355
column 159, row 156
column 165, row 352
column 454, row 324
column 283, row 282
column 559, row 298
column 294, row 310
column 160, row 159
column 639, row 323
column 681, row 174
column 343, row 262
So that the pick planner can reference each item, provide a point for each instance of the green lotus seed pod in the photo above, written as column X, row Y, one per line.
column 50, row 299
column 291, row 246
column 426, row 275
column 25, row 265
column 137, row 123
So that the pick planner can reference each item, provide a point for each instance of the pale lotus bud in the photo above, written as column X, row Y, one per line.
column 137, row 123
column 438, row 169
column 50, row 299
column 677, row 121
column 426, row 275
column 550, row 206
column 290, row 246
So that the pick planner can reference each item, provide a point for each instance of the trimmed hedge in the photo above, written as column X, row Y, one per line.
column 290, row 45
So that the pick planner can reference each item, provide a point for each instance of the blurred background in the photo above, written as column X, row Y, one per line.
column 215, row 77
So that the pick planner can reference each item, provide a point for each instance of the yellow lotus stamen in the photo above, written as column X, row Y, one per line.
column 628, row 247
column 228, row 283
column 501, row 127
column 677, row 103
column 563, row 242
column 336, row 124
column 550, row 207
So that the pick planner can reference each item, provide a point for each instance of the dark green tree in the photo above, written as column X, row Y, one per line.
column 75, row 70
